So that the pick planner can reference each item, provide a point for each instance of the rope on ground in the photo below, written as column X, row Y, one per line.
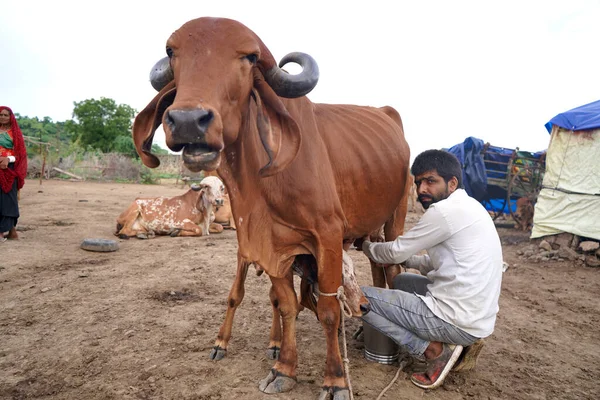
column 346, row 312
column 400, row 368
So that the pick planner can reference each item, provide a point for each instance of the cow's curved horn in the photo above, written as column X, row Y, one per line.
column 161, row 74
column 291, row 86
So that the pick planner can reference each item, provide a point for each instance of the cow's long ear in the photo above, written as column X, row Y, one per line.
column 279, row 132
column 203, row 202
column 148, row 120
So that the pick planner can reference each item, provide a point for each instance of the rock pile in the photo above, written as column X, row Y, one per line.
column 563, row 247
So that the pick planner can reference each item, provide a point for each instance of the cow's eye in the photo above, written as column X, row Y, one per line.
column 169, row 52
column 252, row 58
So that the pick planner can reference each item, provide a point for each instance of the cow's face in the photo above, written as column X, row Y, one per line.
column 214, row 68
column 212, row 192
column 524, row 213
column 212, row 65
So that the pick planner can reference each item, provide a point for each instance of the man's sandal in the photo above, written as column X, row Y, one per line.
column 438, row 368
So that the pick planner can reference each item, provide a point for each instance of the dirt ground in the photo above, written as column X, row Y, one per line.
column 139, row 323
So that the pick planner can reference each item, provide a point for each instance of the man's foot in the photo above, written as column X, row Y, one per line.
column 437, row 368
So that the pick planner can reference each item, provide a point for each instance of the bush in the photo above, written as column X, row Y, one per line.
column 94, row 165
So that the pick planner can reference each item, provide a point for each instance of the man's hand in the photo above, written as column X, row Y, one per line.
column 365, row 248
column 3, row 162
column 359, row 242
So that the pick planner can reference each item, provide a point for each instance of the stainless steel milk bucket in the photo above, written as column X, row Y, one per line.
column 378, row 347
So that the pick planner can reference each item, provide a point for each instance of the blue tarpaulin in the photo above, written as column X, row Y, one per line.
column 478, row 166
column 474, row 177
column 583, row 117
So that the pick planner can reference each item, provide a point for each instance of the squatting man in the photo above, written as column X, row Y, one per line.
column 453, row 304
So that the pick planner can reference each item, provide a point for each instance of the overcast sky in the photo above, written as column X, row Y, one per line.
column 497, row 71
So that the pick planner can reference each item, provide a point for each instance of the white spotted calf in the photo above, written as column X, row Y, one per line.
column 191, row 214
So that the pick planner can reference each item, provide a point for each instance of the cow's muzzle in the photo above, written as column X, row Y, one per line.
column 188, row 133
column 189, row 126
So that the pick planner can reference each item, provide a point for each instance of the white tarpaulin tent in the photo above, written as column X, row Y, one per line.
column 570, row 197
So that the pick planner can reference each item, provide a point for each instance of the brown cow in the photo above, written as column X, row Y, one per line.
column 413, row 198
column 524, row 214
column 190, row 214
column 302, row 177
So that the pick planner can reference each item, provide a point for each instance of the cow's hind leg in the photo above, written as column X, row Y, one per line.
column 282, row 377
column 383, row 274
column 378, row 270
column 128, row 223
column 236, row 295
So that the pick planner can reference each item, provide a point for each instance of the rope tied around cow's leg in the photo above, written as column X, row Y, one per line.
column 346, row 312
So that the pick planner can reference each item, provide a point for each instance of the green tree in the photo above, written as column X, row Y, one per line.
column 100, row 124
column 43, row 130
column 125, row 145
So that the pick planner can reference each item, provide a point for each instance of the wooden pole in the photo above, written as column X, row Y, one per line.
column 43, row 154
column 43, row 165
column 67, row 173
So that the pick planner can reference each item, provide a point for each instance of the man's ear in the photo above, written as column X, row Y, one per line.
column 453, row 184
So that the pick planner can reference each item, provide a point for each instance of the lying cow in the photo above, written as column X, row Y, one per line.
column 191, row 214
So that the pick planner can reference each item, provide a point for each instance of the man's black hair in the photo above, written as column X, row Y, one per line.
column 445, row 164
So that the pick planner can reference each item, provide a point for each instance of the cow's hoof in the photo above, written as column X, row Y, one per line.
column 141, row 236
column 217, row 353
column 174, row 232
column 276, row 383
column 334, row 394
column 273, row 353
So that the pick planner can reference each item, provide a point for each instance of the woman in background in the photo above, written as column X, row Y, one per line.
column 13, row 168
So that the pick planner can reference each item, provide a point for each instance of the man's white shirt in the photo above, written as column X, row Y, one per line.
column 464, row 261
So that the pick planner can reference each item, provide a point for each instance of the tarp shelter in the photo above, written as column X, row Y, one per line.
column 570, row 197
column 474, row 177
column 486, row 172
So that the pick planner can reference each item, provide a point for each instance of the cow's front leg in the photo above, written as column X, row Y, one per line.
column 236, row 295
column 275, row 334
column 329, row 264
column 215, row 228
column 282, row 377
column 188, row 228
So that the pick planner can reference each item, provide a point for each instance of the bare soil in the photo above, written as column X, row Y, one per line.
column 139, row 323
